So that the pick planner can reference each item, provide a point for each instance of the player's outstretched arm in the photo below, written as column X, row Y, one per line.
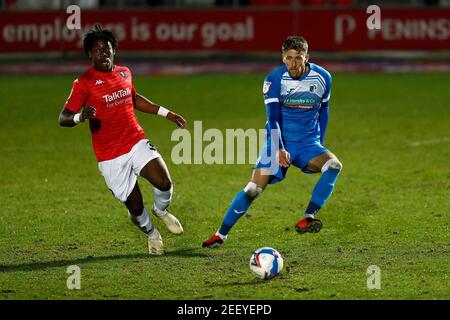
column 68, row 118
column 147, row 106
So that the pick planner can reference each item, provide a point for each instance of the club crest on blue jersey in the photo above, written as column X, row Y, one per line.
column 266, row 86
column 313, row 88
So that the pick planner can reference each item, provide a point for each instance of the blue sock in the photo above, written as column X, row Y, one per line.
column 312, row 208
column 237, row 209
column 322, row 191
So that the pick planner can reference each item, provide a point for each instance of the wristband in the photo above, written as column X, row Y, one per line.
column 77, row 118
column 163, row 111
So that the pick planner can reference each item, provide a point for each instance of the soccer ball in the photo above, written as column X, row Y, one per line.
column 266, row 263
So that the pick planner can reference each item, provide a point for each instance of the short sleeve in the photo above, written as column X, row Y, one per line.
column 77, row 96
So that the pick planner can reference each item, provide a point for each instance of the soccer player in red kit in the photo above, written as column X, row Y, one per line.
column 106, row 96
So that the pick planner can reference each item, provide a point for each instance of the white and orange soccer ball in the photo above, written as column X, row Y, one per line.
column 266, row 263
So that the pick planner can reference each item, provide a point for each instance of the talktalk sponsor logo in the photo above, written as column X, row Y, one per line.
column 117, row 95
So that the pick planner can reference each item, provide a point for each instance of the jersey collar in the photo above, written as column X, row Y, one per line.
column 103, row 73
column 306, row 73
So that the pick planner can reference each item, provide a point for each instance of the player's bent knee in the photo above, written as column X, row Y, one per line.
column 252, row 190
column 333, row 164
column 165, row 185
column 135, row 209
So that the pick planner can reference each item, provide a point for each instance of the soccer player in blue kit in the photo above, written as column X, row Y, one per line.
column 297, row 97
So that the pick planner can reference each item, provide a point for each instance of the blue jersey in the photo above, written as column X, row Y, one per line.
column 299, row 100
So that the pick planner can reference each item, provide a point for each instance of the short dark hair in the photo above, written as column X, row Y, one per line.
column 295, row 42
column 95, row 34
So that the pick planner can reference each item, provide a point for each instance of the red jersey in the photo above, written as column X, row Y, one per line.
column 115, row 128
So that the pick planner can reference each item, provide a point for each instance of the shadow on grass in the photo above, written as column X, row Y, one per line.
column 246, row 282
column 255, row 282
column 183, row 253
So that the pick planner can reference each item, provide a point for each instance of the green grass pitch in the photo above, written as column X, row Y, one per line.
column 390, row 207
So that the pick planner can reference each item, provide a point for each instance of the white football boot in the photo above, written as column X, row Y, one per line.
column 170, row 220
column 155, row 243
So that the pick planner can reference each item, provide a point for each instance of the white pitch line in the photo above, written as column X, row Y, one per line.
column 431, row 141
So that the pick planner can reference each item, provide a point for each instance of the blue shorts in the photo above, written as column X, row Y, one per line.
column 301, row 153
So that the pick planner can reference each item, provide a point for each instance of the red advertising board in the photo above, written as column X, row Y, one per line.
column 230, row 30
